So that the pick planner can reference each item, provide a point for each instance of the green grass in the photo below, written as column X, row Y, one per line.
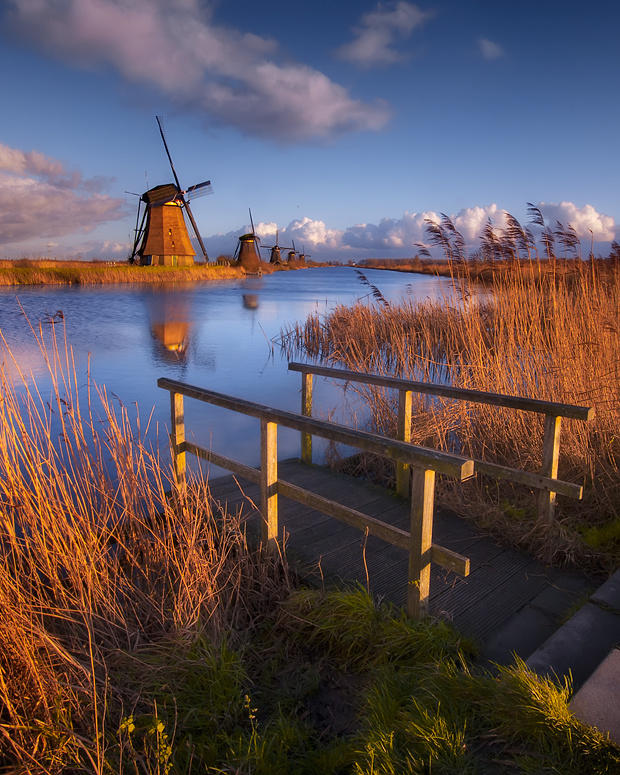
column 331, row 683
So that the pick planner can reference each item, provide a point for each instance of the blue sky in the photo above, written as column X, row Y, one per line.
column 344, row 124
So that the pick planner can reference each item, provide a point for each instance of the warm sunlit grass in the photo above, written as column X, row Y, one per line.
column 536, row 330
column 47, row 272
column 96, row 560
column 140, row 632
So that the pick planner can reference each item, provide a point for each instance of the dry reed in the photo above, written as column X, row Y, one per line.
column 97, row 561
column 534, row 332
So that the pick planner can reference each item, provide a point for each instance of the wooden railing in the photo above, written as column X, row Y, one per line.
column 425, row 463
column 546, row 480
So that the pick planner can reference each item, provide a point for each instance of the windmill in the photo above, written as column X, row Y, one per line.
column 290, row 256
column 247, row 251
column 303, row 255
column 275, row 257
column 161, row 236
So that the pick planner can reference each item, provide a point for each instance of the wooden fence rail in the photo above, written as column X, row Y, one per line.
column 546, row 480
column 425, row 464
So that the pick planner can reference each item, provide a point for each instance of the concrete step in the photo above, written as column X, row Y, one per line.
column 583, row 642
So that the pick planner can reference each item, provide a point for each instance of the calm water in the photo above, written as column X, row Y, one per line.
column 216, row 336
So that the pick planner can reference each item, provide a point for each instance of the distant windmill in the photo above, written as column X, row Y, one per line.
column 247, row 251
column 275, row 257
column 303, row 255
column 161, row 238
column 290, row 256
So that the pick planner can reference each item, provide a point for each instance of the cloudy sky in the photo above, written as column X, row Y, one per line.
column 345, row 125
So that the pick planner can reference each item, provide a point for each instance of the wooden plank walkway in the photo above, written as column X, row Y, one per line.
column 501, row 583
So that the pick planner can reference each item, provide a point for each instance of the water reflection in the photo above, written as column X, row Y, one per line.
column 170, row 317
column 221, row 336
column 250, row 300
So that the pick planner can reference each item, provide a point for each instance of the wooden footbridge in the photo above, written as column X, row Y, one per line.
column 395, row 543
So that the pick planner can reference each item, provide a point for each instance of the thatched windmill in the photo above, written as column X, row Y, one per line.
column 247, row 251
column 162, row 237
column 275, row 256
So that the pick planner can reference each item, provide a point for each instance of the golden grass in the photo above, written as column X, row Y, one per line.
column 47, row 272
column 95, row 561
column 534, row 332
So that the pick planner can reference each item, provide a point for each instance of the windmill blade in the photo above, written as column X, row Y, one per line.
column 163, row 137
column 196, row 232
column 133, row 193
column 200, row 189
column 251, row 222
column 139, row 231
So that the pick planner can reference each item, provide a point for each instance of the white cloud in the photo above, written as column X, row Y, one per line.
column 375, row 37
column 489, row 49
column 582, row 219
column 397, row 237
column 40, row 198
column 228, row 76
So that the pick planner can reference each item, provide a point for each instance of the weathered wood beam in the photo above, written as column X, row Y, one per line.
column 550, row 458
column 404, row 434
column 306, row 410
column 177, row 436
column 452, row 465
column 269, row 481
column 247, row 472
column 384, row 531
column 430, row 388
column 450, row 560
column 420, row 541
column 530, row 478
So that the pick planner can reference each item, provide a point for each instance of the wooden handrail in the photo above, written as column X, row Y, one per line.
column 545, row 481
column 443, row 462
column 425, row 462
column 431, row 388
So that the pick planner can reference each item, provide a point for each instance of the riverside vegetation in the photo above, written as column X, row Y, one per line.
column 49, row 272
column 143, row 631
column 540, row 327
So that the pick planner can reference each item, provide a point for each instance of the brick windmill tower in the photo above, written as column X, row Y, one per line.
column 247, row 251
column 162, row 238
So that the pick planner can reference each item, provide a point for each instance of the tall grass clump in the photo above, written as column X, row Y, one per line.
column 529, row 331
column 100, row 570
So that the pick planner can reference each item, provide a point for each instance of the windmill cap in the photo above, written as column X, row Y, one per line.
column 249, row 237
column 163, row 193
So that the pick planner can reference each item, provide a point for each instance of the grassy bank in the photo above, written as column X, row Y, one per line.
column 141, row 633
column 548, row 336
column 44, row 272
column 48, row 272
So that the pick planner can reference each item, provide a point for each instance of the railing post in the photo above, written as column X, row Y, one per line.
column 306, row 410
column 269, row 481
column 177, row 436
column 550, row 456
column 404, row 434
column 421, row 540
